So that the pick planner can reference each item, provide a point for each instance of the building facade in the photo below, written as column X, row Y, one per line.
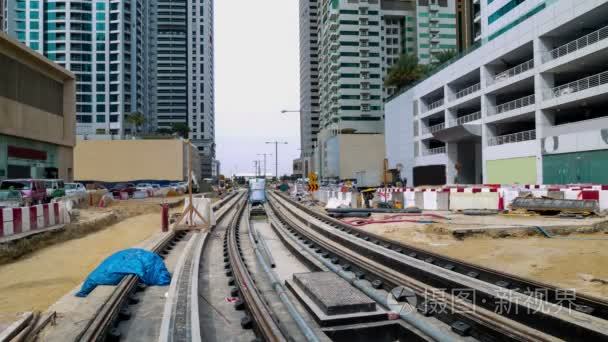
column 358, row 43
column 468, row 23
column 527, row 106
column 37, row 114
column 184, row 58
column 309, row 82
column 102, row 43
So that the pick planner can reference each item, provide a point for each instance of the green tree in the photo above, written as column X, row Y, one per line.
column 163, row 130
column 443, row 56
column 136, row 119
column 181, row 128
column 405, row 72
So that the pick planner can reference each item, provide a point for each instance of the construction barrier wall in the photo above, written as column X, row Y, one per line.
column 26, row 219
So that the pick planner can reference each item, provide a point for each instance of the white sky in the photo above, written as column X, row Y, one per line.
column 256, row 76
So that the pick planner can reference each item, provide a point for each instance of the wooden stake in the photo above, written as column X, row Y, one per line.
column 190, row 210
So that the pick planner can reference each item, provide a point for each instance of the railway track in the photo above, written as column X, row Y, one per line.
column 103, row 324
column 473, row 299
column 259, row 312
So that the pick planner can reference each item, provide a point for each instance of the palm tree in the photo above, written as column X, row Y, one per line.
column 181, row 129
column 405, row 72
column 136, row 119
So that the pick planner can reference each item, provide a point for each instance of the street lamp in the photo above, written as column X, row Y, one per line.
column 276, row 155
column 264, row 154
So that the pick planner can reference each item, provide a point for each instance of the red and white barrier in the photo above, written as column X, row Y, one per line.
column 26, row 219
column 429, row 198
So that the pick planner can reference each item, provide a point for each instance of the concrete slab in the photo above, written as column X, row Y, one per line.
column 333, row 294
column 324, row 319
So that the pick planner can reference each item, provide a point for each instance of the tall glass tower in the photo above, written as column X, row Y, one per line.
column 103, row 42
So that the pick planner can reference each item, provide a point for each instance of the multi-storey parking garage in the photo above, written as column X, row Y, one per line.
column 526, row 107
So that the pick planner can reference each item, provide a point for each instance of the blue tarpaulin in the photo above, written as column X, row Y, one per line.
column 148, row 266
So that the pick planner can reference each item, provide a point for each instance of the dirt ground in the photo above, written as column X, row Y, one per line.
column 38, row 279
column 574, row 261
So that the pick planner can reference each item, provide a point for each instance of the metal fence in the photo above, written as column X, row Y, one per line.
column 578, row 44
column 436, row 150
column 436, row 128
column 580, row 85
column 515, row 104
column 512, row 138
column 468, row 91
column 516, row 70
column 436, row 104
column 467, row 118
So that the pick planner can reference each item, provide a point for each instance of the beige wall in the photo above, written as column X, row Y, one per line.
column 361, row 152
column 24, row 121
column 21, row 120
column 129, row 160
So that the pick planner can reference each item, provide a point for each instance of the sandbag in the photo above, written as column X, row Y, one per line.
column 148, row 266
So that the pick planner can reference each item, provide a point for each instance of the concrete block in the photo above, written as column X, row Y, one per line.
column 478, row 200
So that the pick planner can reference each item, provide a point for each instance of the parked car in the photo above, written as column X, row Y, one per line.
column 129, row 188
column 32, row 190
column 144, row 187
column 54, row 188
column 11, row 199
column 75, row 189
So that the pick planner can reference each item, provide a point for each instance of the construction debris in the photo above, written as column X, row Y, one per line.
column 550, row 205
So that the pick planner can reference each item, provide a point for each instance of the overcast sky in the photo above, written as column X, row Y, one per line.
column 256, row 76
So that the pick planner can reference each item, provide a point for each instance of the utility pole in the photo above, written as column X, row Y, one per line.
column 264, row 154
column 276, row 155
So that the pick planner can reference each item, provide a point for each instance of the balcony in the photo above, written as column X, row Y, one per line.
column 433, row 129
column 433, row 151
column 468, row 91
column 434, row 28
column 512, row 138
column 465, row 119
column 436, row 104
column 515, row 104
column 580, row 85
column 521, row 68
column 578, row 44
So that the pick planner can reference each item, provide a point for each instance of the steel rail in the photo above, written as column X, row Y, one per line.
column 266, row 326
column 99, row 325
column 181, row 320
column 526, row 319
column 587, row 304
column 486, row 325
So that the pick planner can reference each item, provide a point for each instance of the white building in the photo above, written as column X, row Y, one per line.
column 528, row 106
column 358, row 42
column 309, row 82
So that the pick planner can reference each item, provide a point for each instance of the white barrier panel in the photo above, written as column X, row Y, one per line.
column 140, row 194
column 603, row 200
column 409, row 199
column 479, row 200
column 25, row 219
column 204, row 207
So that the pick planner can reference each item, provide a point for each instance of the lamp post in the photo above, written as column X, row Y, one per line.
column 264, row 154
column 276, row 155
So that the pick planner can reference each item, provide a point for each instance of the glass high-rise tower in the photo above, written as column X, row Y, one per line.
column 154, row 57
column 103, row 43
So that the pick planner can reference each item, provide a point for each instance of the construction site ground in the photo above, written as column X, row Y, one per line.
column 56, row 263
column 574, row 258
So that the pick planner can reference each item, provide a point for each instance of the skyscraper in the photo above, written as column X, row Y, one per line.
column 153, row 57
column 309, row 80
column 102, row 43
